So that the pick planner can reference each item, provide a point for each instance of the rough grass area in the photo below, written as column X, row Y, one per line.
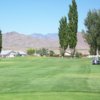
column 33, row 78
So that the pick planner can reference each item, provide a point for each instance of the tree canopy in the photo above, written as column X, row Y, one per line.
column 0, row 40
column 63, row 35
column 73, row 25
column 92, row 23
column 68, row 31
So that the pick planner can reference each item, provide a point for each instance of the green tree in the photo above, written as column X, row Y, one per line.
column 92, row 23
column 0, row 40
column 30, row 51
column 51, row 53
column 63, row 35
column 42, row 52
column 73, row 26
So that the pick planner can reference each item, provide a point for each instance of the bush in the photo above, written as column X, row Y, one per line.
column 30, row 51
column 51, row 53
column 78, row 55
column 42, row 52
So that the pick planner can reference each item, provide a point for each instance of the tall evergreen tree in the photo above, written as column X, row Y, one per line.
column 92, row 23
column 63, row 35
column 73, row 26
column 0, row 41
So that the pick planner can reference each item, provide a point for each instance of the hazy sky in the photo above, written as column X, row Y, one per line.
column 40, row 16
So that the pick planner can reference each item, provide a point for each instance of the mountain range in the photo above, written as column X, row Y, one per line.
column 21, row 42
column 17, row 41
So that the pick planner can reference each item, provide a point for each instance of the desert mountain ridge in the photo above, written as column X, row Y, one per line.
column 21, row 42
column 17, row 41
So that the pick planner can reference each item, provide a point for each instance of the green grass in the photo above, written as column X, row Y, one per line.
column 33, row 78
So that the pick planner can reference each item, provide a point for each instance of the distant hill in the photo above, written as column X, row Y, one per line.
column 17, row 41
column 51, row 36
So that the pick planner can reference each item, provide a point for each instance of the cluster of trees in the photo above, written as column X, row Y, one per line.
column 92, row 23
column 41, row 52
column 0, row 41
column 68, row 30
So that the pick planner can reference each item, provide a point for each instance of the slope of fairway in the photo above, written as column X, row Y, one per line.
column 33, row 78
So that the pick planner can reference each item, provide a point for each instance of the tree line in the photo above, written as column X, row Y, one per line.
column 40, row 52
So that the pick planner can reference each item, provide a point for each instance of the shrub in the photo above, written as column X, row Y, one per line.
column 42, row 52
column 78, row 55
column 30, row 51
column 51, row 53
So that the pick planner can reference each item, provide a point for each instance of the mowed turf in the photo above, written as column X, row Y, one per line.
column 41, row 78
